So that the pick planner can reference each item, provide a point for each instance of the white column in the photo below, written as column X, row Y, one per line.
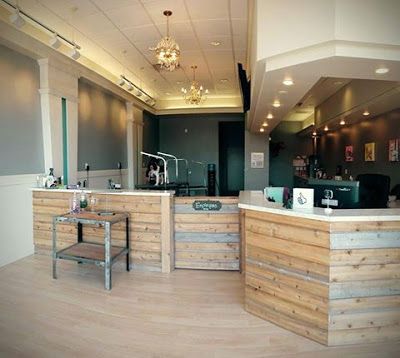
column 56, row 82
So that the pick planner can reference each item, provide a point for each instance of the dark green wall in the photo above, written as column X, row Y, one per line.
column 101, row 128
column 194, row 137
column 379, row 130
column 281, row 166
column 151, row 142
column 21, row 141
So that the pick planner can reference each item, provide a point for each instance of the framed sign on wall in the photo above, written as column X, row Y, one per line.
column 257, row 160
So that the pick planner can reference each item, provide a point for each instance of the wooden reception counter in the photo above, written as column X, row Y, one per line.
column 166, row 232
column 151, row 223
column 332, row 278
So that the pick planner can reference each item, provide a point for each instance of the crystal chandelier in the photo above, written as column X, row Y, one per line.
column 195, row 94
column 167, row 50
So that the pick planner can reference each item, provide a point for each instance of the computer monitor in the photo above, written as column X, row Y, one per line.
column 345, row 194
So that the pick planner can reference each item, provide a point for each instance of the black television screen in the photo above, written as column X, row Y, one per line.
column 244, row 87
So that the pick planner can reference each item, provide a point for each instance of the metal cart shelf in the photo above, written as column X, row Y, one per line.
column 103, row 255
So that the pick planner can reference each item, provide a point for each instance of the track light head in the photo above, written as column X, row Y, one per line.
column 74, row 53
column 55, row 41
column 138, row 93
column 17, row 19
column 120, row 81
column 130, row 87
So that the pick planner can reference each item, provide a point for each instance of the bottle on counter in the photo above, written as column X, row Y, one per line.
column 74, row 204
column 50, row 180
column 83, row 202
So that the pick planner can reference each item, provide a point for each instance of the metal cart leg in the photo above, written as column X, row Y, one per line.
column 107, row 252
column 80, row 235
column 128, row 265
column 54, row 247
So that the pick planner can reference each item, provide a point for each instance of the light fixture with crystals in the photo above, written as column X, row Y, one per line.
column 196, row 94
column 167, row 50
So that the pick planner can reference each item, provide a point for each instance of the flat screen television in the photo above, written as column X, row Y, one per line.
column 346, row 194
column 244, row 87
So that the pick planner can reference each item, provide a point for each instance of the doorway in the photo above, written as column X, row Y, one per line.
column 231, row 158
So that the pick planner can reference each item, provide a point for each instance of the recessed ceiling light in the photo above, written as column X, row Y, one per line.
column 381, row 70
column 223, row 80
column 265, row 124
column 276, row 104
column 326, row 128
column 366, row 113
column 282, row 92
column 342, row 122
column 261, row 130
column 179, row 82
column 270, row 116
column 167, row 93
column 215, row 43
column 314, row 133
column 288, row 82
column 337, row 83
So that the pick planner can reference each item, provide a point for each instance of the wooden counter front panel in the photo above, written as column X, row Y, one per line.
column 145, row 225
column 337, row 283
column 364, row 282
column 287, row 273
column 207, row 240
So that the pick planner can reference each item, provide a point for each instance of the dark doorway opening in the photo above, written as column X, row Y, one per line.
column 231, row 158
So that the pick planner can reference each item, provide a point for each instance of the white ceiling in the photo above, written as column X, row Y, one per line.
column 322, row 90
column 118, row 34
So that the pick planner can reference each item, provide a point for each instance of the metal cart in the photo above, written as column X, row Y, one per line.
column 91, row 252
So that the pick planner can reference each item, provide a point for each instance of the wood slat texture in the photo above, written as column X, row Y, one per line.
column 146, row 225
column 207, row 240
column 336, row 283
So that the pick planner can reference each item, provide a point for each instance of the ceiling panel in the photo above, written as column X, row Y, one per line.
column 212, row 28
column 68, row 9
column 147, row 33
column 239, row 9
column 120, row 32
column 208, row 9
column 130, row 16
column 114, row 4
column 157, row 8
column 239, row 27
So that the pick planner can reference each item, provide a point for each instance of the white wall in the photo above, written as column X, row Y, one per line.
column 287, row 25
column 16, row 222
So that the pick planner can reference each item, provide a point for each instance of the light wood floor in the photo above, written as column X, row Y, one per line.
column 182, row 314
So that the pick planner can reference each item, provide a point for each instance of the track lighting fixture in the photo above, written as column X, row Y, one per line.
column 55, row 41
column 137, row 91
column 16, row 18
column 74, row 53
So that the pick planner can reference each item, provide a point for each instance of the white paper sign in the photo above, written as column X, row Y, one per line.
column 257, row 160
column 303, row 198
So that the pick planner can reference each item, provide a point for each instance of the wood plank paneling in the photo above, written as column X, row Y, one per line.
column 146, row 224
column 337, row 283
column 207, row 240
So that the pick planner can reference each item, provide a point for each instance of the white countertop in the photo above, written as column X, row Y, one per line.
column 254, row 200
column 113, row 192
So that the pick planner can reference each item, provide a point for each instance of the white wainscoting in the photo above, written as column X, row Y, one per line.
column 16, row 231
column 98, row 179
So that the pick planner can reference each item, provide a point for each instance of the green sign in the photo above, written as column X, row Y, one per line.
column 207, row 205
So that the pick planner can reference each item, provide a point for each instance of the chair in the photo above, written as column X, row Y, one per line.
column 374, row 190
